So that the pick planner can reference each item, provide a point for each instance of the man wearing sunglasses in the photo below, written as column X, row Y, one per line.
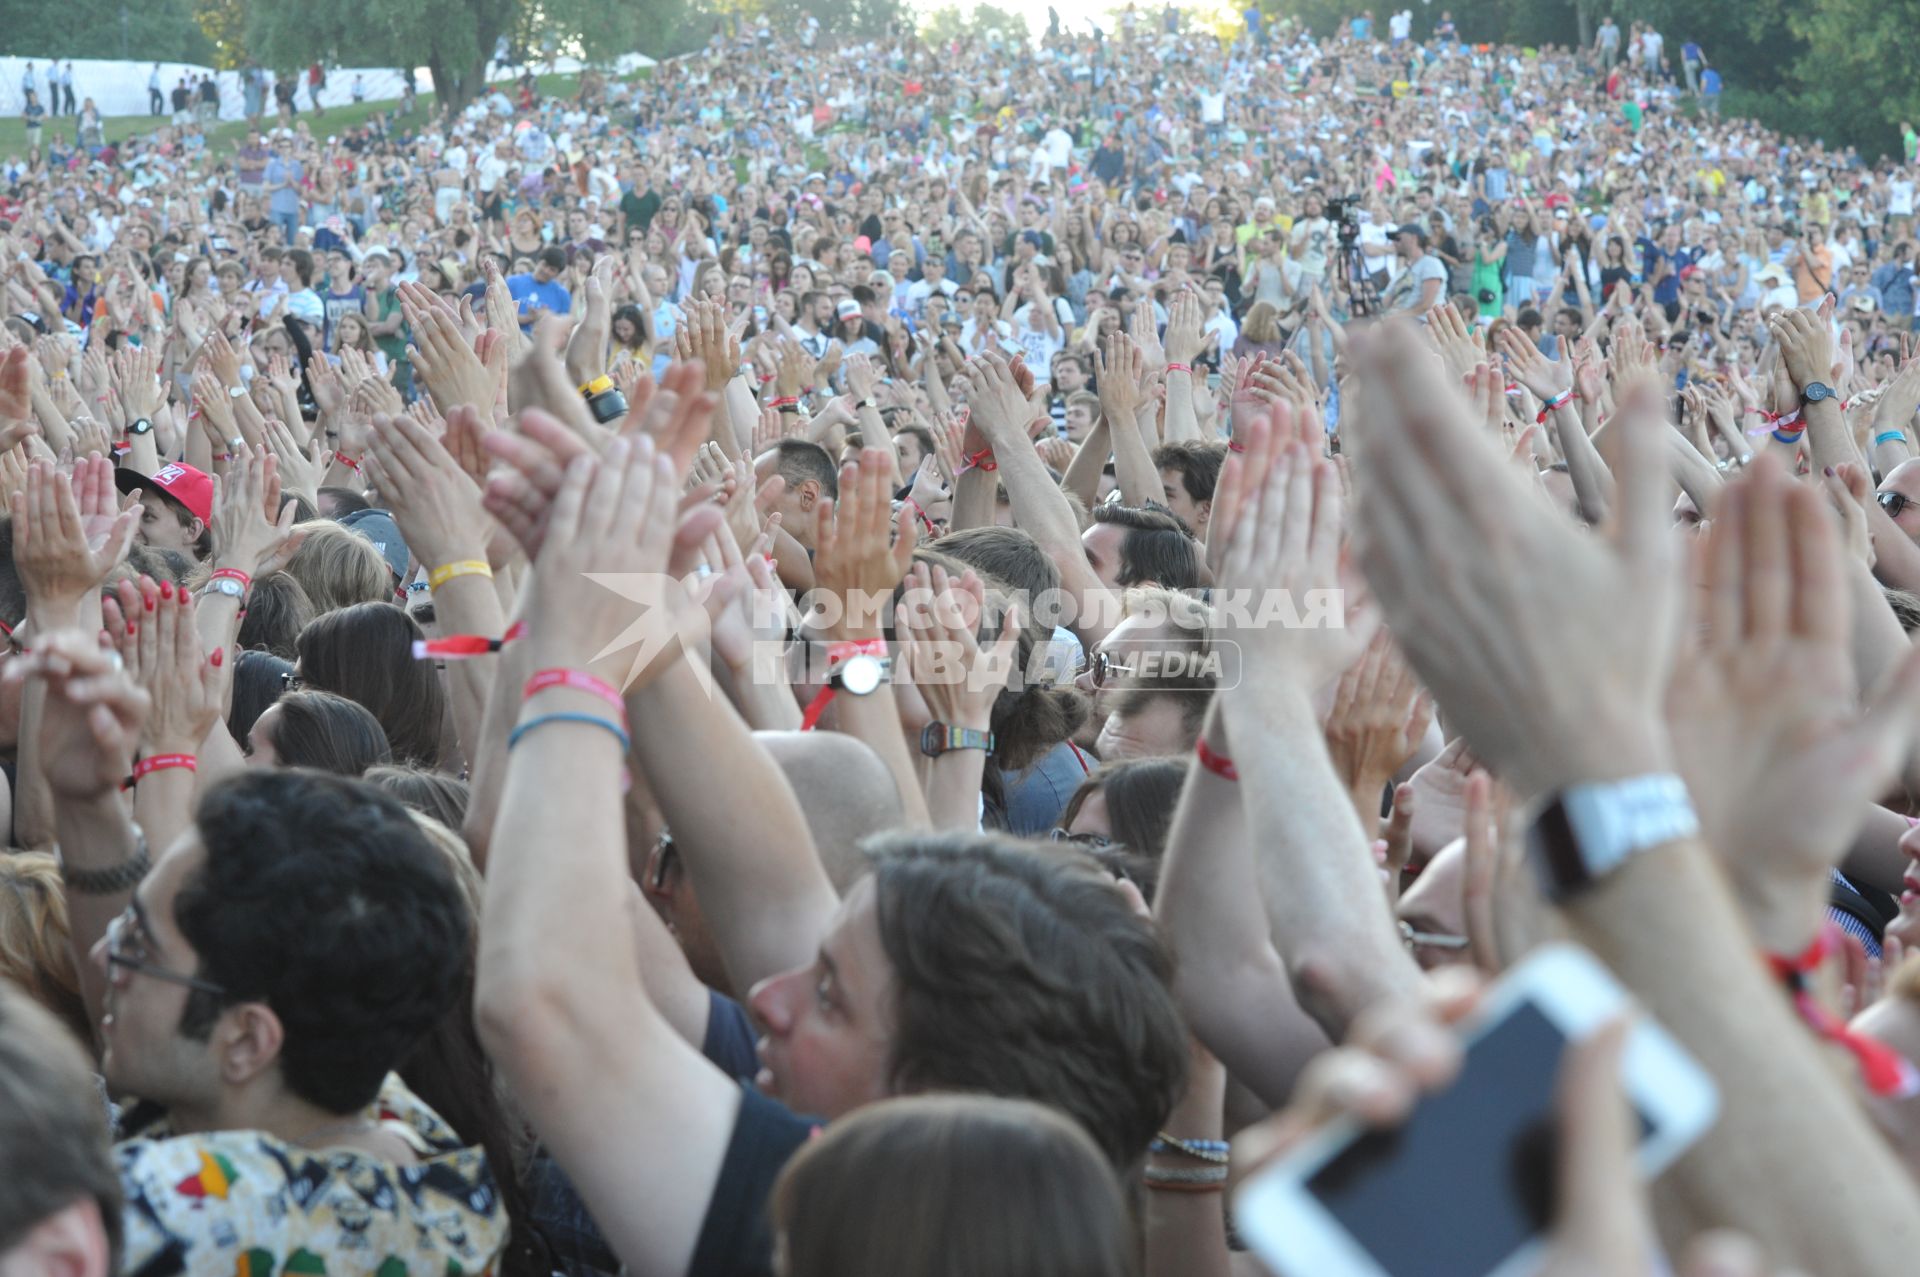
column 1899, row 496
column 259, row 972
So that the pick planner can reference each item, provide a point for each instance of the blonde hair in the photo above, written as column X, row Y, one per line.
column 339, row 568
column 36, row 952
column 1262, row 326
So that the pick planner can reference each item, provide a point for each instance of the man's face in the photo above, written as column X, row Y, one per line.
column 1174, row 486
column 543, row 272
column 829, row 1025
column 1904, row 479
column 1158, row 730
column 161, row 528
column 1102, row 543
column 1079, row 422
column 908, row 449
column 145, row 1053
column 1068, row 376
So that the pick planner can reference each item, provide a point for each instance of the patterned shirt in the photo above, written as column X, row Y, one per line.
column 245, row 1204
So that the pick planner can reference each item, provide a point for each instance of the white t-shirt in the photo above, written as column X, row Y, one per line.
column 1400, row 25
column 1058, row 146
column 1900, row 197
column 1213, row 108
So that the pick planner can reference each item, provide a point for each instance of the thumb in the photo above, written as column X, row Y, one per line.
column 1600, row 1222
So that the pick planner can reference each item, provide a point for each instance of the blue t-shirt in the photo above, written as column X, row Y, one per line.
column 535, row 297
column 1710, row 82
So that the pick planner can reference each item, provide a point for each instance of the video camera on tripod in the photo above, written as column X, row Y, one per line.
column 1344, row 212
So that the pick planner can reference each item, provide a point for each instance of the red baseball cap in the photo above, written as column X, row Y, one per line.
column 190, row 487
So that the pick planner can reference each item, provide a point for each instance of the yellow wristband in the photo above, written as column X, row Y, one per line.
column 465, row 567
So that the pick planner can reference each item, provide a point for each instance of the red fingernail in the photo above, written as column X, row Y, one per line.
column 219, row 656
column 148, row 600
column 132, row 629
column 166, row 589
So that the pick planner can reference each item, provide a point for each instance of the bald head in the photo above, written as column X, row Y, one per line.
column 845, row 791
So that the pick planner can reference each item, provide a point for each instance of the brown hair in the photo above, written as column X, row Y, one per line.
column 277, row 610
column 54, row 1146
column 1262, row 325
column 1028, row 976
column 328, row 733
column 365, row 653
column 952, row 1186
column 430, row 793
column 338, row 568
column 36, row 950
column 1140, row 795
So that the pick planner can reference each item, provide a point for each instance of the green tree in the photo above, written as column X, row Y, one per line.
column 133, row 29
column 948, row 22
column 1857, row 77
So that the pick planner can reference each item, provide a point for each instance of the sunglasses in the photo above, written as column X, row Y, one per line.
column 1893, row 503
column 1104, row 669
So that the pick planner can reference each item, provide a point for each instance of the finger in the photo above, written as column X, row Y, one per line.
column 1601, row 1212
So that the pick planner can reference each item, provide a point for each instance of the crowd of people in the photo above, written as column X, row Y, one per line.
column 851, row 657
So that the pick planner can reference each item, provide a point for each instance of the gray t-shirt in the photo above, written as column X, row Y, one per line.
column 1404, row 293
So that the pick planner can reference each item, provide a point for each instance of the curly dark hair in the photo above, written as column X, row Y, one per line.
column 316, row 893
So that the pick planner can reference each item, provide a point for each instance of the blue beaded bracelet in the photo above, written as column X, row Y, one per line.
column 1889, row 436
column 1204, row 1150
column 626, row 742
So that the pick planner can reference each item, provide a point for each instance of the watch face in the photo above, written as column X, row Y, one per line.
column 1816, row 391
column 860, row 675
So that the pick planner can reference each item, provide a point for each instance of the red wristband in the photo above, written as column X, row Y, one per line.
column 232, row 574
column 575, row 680
column 458, row 647
column 1215, row 763
column 981, row 460
column 1883, row 1071
column 847, row 649
column 159, row 763
column 783, row 402
column 921, row 515
column 1173, row 367
column 1546, row 409
column 350, row 463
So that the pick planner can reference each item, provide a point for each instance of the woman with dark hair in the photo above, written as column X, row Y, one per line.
column 365, row 653
column 259, row 679
column 632, row 335
column 1121, row 814
column 434, row 794
column 277, row 610
column 317, row 730
column 952, row 1186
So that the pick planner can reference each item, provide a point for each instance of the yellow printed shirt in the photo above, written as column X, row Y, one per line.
column 244, row 1204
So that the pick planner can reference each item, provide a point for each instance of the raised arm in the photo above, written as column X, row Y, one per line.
column 559, row 1001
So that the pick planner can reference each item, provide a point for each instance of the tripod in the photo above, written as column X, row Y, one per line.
column 1364, row 297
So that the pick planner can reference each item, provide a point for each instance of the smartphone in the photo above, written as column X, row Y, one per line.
column 1465, row 1187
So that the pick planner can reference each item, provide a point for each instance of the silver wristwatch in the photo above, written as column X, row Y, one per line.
column 1585, row 832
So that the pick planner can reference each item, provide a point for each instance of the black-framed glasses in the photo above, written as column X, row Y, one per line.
column 290, row 681
column 1089, row 841
column 1893, row 502
column 124, row 950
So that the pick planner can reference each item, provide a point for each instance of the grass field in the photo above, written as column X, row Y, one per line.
column 229, row 134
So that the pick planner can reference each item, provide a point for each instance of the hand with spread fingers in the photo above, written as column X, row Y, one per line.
column 153, row 627
column 861, row 547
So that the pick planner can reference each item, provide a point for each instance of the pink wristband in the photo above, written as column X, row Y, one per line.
column 579, row 681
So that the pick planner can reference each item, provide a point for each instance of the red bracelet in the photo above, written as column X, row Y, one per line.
column 159, row 763
column 1884, row 1071
column 1546, row 409
column 232, row 574
column 981, row 460
column 847, row 649
column 783, row 402
column 458, row 647
column 1219, row 766
column 349, row 462
column 921, row 515
column 1173, row 367
column 576, row 680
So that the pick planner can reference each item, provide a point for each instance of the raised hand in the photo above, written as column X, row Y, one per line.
column 69, row 535
column 92, row 719
column 252, row 531
column 1770, row 692
column 434, row 503
column 153, row 627
column 941, row 616
column 861, row 547
column 1529, row 597
column 1545, row 377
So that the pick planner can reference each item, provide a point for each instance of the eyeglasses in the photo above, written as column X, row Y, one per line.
column 1092, row 842
column 1893, row 503
column 125, row 950
column 1104, row 668
column 290, row 681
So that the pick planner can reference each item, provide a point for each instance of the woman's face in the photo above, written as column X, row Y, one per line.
column 623, row 331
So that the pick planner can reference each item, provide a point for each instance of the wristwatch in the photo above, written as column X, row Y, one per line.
column 1815, row 391
column 942, row 738
column 228, row 586
column 860, row 675
column 140, row 426
column 236, row 392
column 1585, row 832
